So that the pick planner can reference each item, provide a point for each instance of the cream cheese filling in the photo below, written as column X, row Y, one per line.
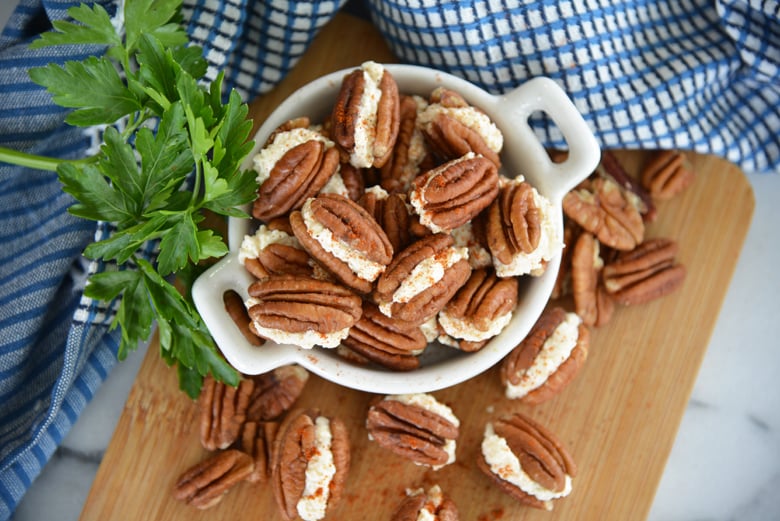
column 555, row 350
column 357, row 261
column 503, row 462
column 466, row 330
column 252, row 245
column 362, row 155
column 423, row 276
column 320, row 470
column 470, row 117
column 265, row 160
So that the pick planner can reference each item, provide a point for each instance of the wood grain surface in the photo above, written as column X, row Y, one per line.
column 618, row 418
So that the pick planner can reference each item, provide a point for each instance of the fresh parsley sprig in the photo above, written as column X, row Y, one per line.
column 178, row 155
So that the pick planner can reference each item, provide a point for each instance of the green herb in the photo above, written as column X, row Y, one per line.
column 139, row 180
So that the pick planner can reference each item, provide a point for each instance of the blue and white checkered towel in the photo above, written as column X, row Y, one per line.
column 689, row 74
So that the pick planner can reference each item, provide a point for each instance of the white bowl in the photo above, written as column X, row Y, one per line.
column 522, row 154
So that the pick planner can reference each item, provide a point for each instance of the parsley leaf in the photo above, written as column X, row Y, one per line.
column 92, row 86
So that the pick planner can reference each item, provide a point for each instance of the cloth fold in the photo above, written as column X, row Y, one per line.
column 689, row 74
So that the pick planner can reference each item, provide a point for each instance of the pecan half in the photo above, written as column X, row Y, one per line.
column 610, row 167
column 410, row 153
column 409, row 288
column 387, row 341
column 667, row 174
column 354, row 128
column 646, row 273
column 304, row 438
column 454, row 128
column 433, row 505
column 520, row 233
column 257, row 441
column 222, row 411
column 539, row 453
column 416, row 427
column 204, row 484
column 234, row 305
column 452, row 194
column 354, row 180
column 480, row 309
column 391, row 213
column 276, row 392
column 591, row 301
column 273, row 251
column 344, row 238
column 606, row 210
column 299, row 174
column 534, row 371
column 303, row 309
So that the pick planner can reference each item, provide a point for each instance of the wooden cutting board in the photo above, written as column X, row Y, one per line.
column 618, row 418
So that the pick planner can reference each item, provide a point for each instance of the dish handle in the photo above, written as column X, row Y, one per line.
column 207, row 290
column 542, row 94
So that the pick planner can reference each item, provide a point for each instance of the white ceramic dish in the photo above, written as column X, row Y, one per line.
column 522, row 154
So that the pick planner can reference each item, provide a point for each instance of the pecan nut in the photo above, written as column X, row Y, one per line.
column 410, row 154
column 610, row 167
column 548, row 359
column 433, row 505
column 454, row 128
column 520, row 230
column 276, row 392
column 591, row 301
column 273, row 251
column 344, row 238
column 302, row 310
column 455, row 192
column 386, row 341
column 391, row 213
column 607, row 211
column 667, row 174
column 366, row 116
column 480, row 309
column 257, row 441
column 306, row 439
column 415, row 426
column 234, row 305
column 646, row 273
column 526, row 461
column 205, row 484
column 293, row 168
column 422, row 278
column 222, row 411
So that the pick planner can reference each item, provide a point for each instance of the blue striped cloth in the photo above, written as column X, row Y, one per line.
column 689, row 74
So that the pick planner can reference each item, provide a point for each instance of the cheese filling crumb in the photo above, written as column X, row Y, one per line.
column 503, row 463
column 263, row 237
column 470, row 117
column 357, row 261
column 320, row 470
column 550, row 243
column 306, row 340
column 266, row 159
column 556, row 350
column 362, row 155
column 433, row 500
column 466, row 330
column 423, row 276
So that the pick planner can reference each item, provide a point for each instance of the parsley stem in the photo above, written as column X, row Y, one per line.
column 50, row 164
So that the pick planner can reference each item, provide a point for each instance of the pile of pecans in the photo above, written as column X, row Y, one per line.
column 425, row 187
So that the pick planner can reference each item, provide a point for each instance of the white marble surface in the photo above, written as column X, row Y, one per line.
column 725, row 464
